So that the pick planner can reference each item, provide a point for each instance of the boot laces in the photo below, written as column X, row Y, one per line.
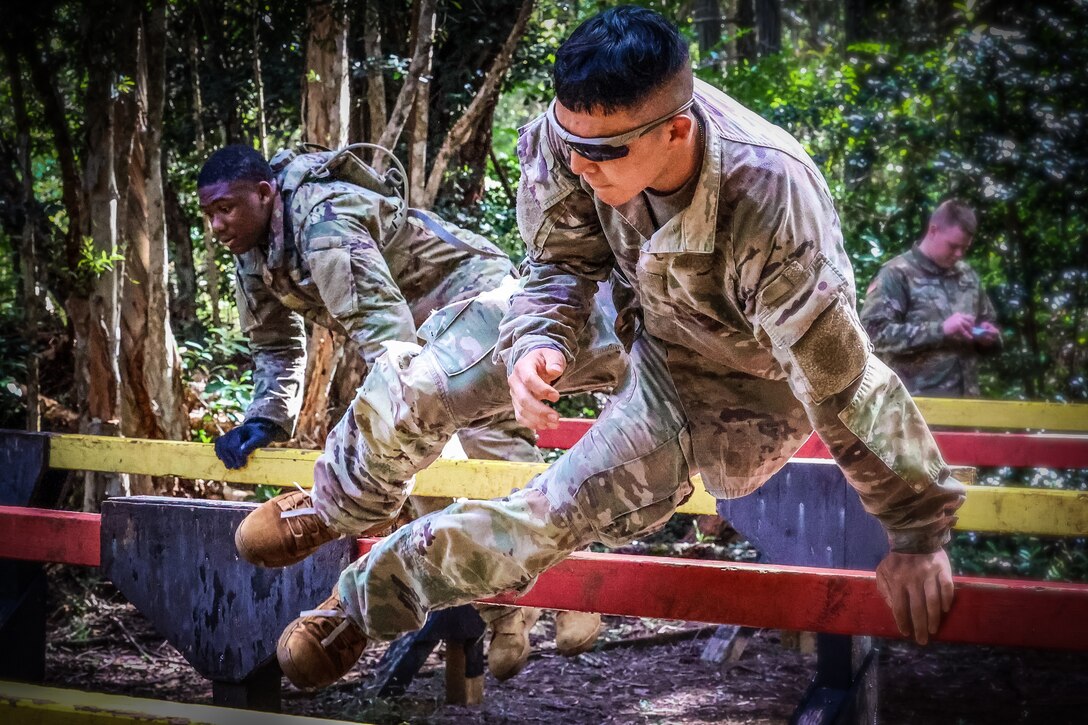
column 331, row 613
column 302, row 526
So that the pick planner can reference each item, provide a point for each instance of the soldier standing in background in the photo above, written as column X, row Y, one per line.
column 322, row 236
column 926, row 311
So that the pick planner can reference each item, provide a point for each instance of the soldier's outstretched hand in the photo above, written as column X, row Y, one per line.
column 531, row 384
column 918, row 588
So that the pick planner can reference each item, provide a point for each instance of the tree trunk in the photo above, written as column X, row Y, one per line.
column 707, row 18
column 95, row 313
column 47, row 87
column 162, row 374
column 324, row 353
column 325, row 103
column 747, row 43
column 211, row 269
column 375, row 78
column 424, row 40
column 862, row 20
column 258, row 82
column 27, row 254
column 179, row 231
column 420, row 124
column 769, row 24
column 474, row 114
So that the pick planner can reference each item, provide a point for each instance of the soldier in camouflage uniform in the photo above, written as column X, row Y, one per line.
column 347, row 258
column 747, row 340
column 323, row 237
column 927, row 313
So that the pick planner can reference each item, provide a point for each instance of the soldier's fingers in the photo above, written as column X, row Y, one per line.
column 919, row 615
column 883, row 588
column 900, row 605
column 948, row 591
column 932, row 591
column 531, row 412
column 540, row 390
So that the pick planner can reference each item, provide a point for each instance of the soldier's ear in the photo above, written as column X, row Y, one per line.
column 266, row 192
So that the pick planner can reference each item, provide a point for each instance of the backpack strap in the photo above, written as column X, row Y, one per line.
column 446, row 236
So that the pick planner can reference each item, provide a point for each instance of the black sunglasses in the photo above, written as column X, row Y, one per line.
column 608, row 148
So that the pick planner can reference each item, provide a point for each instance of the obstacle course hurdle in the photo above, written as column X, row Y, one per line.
column 67, row 537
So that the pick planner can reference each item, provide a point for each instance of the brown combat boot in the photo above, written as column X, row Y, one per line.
column 319, row 647
column 282, row 531
column 576, row 632
column 509, row 650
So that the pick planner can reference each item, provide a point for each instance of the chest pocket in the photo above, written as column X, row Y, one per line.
column 928, row 301
column 330, row 268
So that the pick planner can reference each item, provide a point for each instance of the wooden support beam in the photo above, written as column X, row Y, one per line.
column 1005, row 414
column 1017, row 450
column 64, row 537
column 276, row 466
column 986, row 611
column 960, row 448
column 32, row 704
column 948, row 412
column 988, row 509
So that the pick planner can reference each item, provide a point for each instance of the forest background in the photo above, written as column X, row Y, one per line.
column 116, row 309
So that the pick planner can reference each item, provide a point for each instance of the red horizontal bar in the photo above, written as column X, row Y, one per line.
column 960, row 448
column 62, row 537
column 986, row 611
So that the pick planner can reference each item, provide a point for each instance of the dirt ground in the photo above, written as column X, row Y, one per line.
column 643, row 671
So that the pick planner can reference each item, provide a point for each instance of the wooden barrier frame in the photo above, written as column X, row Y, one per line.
column 22, row 703
column 1036, row 511
column 988, row 611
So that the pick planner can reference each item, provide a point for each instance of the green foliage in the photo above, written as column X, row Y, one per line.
column 1022, row 557
column 221, row 370
column 993, row 115
column 97, row 262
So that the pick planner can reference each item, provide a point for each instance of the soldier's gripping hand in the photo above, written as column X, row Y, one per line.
column 918, row 588
column 234, row 446
column 531, row 384
column 958, row 327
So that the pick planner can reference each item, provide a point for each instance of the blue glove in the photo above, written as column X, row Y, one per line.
column 234, row 446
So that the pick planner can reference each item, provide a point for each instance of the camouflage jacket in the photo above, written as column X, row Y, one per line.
column 905, row 306
column 346, row 258
column 752, row 292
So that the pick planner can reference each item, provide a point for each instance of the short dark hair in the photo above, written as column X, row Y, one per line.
column 953, row 212
column 617, row 59
column 234, row 163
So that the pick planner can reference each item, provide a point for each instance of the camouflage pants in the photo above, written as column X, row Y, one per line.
column 625, row 477
column 414, row 400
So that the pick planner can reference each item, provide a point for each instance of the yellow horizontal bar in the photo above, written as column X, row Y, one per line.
column 1043, row 512
column 34, row 705
column 988, row 508
column 275, row 466
column 1004, row 414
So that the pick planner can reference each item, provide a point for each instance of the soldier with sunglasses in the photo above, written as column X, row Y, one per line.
column 746, row 340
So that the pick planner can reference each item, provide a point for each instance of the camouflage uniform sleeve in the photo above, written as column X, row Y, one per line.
column 352, row 276
column 987, row 313
column 567, row 253
column 802, row 308
column 885, row 317
column 277, row 339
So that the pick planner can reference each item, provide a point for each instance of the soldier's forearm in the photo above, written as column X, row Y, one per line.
column 879, row 439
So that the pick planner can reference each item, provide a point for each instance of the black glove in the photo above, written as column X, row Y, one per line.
column 234, row 446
